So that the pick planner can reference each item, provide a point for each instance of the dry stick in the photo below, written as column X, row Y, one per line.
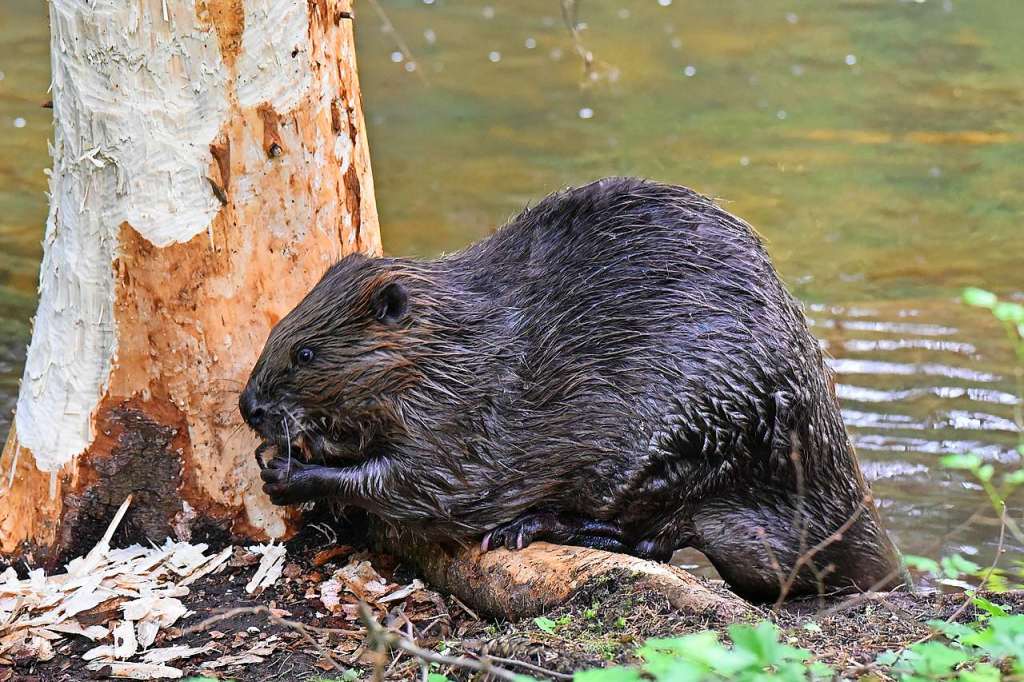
column 570, row 11
column 384, row 638
column 471, row 612
column 806, row 557
column 858, row 599
column 301, row 628
column 988, row 574
column 531, row 666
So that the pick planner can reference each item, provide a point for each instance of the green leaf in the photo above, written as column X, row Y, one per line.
column 888, row 658
column 989, row 607
column 955, row 565
column 954, row 631
column 968, row 462
column 1009, row 312
column 985, row 472
column 700, row 648
column 821, row 671
column 921, row 563
column 545, row 624
column 935, row 659
column 437, row 677
column 983, row 672
column 1014, row 477
column 762, row 642
column 979, row 297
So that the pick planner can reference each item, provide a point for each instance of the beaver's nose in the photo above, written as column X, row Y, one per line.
column 252, row 412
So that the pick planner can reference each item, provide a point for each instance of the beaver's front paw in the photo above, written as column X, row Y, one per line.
column 289, row 481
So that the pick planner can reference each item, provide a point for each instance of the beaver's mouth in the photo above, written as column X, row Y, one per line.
column 341, row 448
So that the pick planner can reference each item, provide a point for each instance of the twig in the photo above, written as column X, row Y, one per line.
column 471, row 612
column 301, row 628
column 531, row 666
column 807, row 556
column 570, row 11
column 858, row 599
column 385, row 639
column 403, row 47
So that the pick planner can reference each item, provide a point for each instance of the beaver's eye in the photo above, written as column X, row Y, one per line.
column 305, row 355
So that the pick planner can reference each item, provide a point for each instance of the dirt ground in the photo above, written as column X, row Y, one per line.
column 307, row 626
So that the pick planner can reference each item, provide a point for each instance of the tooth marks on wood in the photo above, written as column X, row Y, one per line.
column 140, row 447
column 221, row 153
column 272, row 144
column 336, row 116
column 218, row 191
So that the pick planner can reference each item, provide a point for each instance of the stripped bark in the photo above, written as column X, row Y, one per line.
column 520, row 584
column 210, row 162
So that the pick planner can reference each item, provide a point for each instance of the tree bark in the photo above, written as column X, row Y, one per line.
column 210, row 162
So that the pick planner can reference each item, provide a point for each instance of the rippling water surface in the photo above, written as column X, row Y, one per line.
column 876, row 144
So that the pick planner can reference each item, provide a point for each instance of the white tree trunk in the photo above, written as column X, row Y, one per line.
column 210, row 163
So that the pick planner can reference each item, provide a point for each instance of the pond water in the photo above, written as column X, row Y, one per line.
column 876, row 144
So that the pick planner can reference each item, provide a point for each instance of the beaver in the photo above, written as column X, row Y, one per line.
column 618, row 367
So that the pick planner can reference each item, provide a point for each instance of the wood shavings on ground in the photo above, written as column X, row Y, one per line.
column 269, row 570
column 137, row 589
column 359, row 581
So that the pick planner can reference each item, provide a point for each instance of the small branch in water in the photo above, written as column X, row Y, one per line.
column 593, row 70
column 403, row 47
column 570, row 15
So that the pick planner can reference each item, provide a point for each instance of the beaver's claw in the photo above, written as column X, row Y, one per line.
column 289, row 481
column 558, row 528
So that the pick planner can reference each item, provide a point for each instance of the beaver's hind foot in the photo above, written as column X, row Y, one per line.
column 564, row 529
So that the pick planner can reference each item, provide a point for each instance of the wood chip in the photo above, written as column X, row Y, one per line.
column 174, row 653
column 129, row 594
column 269, row 570
column 136, row 671
column 325, row 555
column 230, row 660
column 73, row 627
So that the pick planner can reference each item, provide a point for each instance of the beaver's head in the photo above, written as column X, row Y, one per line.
column 326, row 384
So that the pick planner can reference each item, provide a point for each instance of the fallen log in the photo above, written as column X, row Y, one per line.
column 513, row 585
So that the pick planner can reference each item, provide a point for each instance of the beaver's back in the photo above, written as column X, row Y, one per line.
column 642, row 302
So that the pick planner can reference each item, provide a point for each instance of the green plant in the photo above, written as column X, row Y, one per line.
column 551, row 626
column 756, row 654
column 991, row 649
column 998, row 486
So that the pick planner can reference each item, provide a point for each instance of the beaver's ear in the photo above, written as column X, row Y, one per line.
column 390, row 302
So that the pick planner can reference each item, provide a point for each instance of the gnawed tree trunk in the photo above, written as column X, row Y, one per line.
column 518, row 584
column 210, row 162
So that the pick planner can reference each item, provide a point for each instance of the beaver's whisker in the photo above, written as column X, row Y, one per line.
column 288, row 439
column 302, row 429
